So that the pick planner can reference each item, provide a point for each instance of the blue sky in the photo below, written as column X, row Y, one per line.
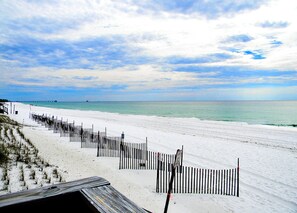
column 148, row 50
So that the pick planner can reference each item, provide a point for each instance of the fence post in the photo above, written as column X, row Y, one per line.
column 122, row 137
column 158, row 173
column 98, row 141
column 121, row 148
column 170, row 188
column 120, row 161
column 81, row 135
column 146, row 151
column 237, row 177
column 182, row 157
column 92, row 134
column 60, row 130
column 173, row 166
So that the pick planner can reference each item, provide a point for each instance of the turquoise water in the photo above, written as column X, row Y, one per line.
column 253, row 112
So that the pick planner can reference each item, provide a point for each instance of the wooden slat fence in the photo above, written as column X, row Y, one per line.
column 137, row 156
column 91, row 141
column 64, row 129
column 49, row 123
column 57, row 126
column 199, row 180
column 108, row 146
column 133, row 155
column 75, row 133
column 5, row 109
column 87, row 135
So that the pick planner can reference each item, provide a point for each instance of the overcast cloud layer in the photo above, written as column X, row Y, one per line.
column 148, row 50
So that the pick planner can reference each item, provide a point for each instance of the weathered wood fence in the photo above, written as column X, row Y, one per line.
column 89, row 139
column 198, row 180
column 75, row 133
column 65, row 129
column 108, row 146
column 137, row 156
column 4, row 108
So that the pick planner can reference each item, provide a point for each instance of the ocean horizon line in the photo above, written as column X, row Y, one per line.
column 81, row 101
column 275, row 113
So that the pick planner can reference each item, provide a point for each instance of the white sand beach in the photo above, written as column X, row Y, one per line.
column 268, row 158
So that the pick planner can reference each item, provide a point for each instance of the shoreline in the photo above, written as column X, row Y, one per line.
column 248, row 120
column 268, row 172
column 293, row 127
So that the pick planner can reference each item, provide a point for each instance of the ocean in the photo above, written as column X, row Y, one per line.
column 278, row 113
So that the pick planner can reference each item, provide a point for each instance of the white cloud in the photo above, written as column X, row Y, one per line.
column 176, row 34
column 136, row 78
column 240, row 93
column 154, row 34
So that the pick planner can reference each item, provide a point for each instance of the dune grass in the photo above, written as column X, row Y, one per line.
column 21, row 167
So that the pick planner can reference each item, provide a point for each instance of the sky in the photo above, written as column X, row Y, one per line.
column 158, row 50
